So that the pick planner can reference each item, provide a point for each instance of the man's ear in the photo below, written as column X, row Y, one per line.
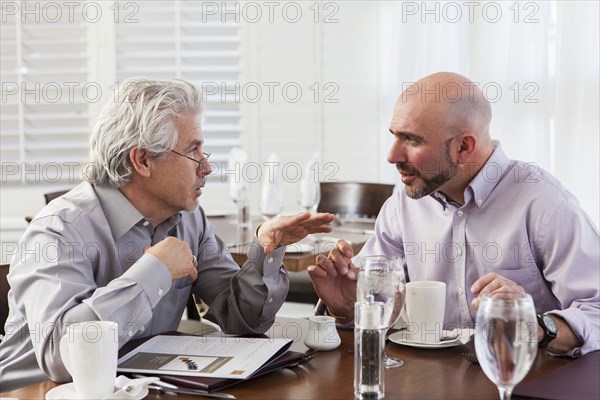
column 467, row 144
column 139, row 161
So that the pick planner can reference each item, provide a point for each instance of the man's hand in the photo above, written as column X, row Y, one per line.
column 492, row 283
column 283, row 230
column 177, row 256
column 334, row 278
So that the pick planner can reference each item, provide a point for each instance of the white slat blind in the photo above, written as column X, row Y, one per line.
column 45, row 113
column 186, row 40
column 49, row 91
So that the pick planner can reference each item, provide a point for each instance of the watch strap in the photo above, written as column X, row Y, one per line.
column 548, row 335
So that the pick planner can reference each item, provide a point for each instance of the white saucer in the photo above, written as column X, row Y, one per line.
column 299, row 248
column 400, row 338
column 67, row 392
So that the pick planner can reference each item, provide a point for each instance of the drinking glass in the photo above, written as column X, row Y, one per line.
column 381, row 279
column 506, row 339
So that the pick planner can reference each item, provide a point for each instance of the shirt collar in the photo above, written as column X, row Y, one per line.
column 484, row 182
column 120, row 213
column 488, row 177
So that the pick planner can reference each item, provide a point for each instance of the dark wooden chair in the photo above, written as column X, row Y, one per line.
column 3, row 295
column 48, row 197
column 353, row 198
column 52, row 195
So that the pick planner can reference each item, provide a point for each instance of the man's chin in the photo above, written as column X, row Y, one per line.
column 193, row 205
column 417, row 192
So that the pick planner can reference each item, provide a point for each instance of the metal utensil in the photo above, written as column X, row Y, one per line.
column 194, row 392
column 472, row 358
column 469, row 354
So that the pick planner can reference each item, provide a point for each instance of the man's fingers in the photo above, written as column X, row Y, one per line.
column 326, row 264
column 344, row 248
column 482, row 282
column 316, row 271
column 296, row 219
column 194, row 274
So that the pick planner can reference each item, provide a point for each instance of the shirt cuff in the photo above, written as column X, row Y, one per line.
column 577, row 321
column 152, row 275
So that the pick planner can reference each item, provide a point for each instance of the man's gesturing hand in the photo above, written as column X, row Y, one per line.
column 284, row 230
column 334, row 278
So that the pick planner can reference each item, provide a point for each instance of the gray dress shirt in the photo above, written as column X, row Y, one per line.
column 82, row 258
column 517, row 221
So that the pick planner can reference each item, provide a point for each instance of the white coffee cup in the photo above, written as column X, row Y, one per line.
column 89, row 351
column 425, row 309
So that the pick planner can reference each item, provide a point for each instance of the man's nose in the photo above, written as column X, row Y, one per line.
column 205, row 169
column 397, row 153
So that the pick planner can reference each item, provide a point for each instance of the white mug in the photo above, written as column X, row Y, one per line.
column 89, row 351
column 322, row 333
column 425, row 310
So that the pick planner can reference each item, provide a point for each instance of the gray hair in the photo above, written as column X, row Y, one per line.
column 143, row 115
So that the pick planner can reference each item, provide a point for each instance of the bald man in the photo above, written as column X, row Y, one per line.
column 473, row 218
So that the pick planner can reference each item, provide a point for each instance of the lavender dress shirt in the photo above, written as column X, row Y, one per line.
column 517, row 221
column 82, row 258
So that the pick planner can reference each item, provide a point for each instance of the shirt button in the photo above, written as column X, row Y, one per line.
column 479, row 202
column 146, row 223
column 461, row 291
column 160, row 292
column 270, row 260
column 142, row 328
column 460, row 213
column 459, row 252
column 130, row 333
column 270, row 300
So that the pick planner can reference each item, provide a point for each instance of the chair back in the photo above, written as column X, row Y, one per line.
column 3, row 295
column 353, row 198
column 52, row 195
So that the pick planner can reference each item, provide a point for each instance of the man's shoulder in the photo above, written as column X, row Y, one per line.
column 80, row 202
column 530, row 177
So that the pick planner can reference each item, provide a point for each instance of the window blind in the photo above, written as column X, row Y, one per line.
column 44, row 116
column 191, row 41
column 50, row 91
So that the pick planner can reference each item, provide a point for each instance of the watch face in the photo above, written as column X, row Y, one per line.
column 550, row 323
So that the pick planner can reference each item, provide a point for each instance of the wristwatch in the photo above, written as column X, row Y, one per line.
column 550, row 329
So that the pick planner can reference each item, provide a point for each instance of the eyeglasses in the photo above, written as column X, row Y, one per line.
column 201, row 163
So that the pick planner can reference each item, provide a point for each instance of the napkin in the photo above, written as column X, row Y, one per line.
column 136, row 387
column 238, row 185
column 310, row 187
column 271, row 201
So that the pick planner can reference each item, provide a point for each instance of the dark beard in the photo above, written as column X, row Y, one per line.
column 429, row 185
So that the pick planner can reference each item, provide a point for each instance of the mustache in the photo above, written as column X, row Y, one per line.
column 407, row 168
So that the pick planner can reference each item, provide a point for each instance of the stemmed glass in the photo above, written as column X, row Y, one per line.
column 381, row 279
column 310, row 195
column 506, row 339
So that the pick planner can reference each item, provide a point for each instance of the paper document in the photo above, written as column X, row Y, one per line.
column 216, row 357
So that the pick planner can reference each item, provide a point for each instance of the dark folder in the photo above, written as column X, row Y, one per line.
column 576, row 380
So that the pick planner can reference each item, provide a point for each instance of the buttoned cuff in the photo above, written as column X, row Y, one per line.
column 152, row 275
column 579, row 324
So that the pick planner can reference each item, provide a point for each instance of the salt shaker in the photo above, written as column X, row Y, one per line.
column 369, row 342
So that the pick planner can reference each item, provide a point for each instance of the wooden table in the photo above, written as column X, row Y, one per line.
column 427, row 374
column 239, row 240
